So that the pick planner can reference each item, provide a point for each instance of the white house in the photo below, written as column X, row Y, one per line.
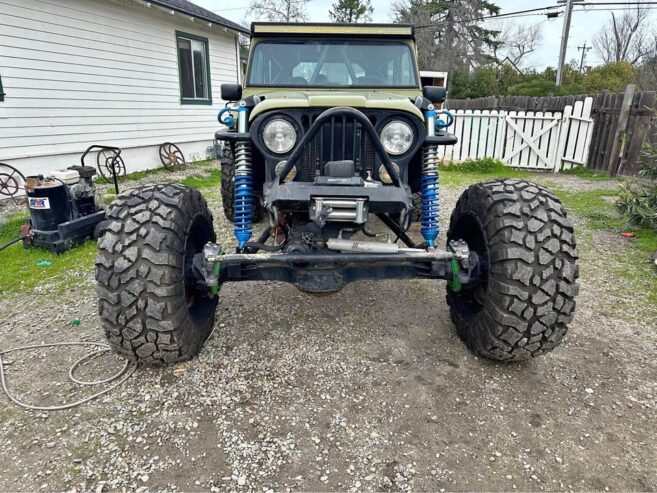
column 126, row 73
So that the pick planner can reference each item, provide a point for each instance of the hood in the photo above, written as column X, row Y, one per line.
column 373, row 99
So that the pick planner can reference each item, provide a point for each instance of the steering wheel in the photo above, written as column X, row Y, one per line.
column 440, row 124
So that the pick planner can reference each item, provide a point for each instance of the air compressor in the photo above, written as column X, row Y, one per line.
column 63, row 210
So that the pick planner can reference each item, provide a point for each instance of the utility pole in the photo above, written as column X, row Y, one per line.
column 564, row 40
column 584, row 50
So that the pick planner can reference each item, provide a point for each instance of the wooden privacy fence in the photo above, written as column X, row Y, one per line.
column 621, row 124
column 547, row 141
column 517, row 103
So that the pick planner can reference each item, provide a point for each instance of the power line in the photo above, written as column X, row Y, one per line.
column 612, row 9
column 521, row 13
column 495, row 16
column 629, row 5
column 232, row 8
column 540, row 11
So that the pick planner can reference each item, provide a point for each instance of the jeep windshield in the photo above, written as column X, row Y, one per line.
column 332, row 63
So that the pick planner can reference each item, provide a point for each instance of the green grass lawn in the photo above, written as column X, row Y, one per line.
column 155, row 172
column 633, row 265
column 460, row 175
column 19, row 271
column 586, row 173
column 204, row 181
column 596, row 207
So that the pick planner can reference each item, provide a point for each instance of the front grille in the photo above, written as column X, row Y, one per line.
column 340, row 138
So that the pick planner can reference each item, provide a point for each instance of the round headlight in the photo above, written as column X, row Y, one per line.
column 290, row 176
column 384, row 176
column 279, row 136
column 397, row 137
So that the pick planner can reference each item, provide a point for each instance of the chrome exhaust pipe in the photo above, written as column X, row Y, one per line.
column 354, row 246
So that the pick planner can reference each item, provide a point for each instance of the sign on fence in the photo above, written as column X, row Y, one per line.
column 524, row 139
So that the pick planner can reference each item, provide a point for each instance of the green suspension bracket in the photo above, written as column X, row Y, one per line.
column 460, row 262
column 455, row 283
column 217, row 271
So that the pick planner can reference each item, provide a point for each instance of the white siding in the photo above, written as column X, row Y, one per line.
column 132, row 156
column 82, row 72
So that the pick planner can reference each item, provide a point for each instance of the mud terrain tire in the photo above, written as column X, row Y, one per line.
column 417, row 207
column 527, row 295
column 149, row 309
column 228, row 186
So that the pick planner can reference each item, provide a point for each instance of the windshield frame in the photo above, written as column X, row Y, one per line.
column 408, row 45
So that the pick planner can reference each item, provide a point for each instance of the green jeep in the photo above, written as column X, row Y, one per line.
column 330, row 133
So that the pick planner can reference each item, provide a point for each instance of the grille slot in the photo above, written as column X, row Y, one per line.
column 340, row 138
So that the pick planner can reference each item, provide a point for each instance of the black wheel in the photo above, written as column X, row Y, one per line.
column 104, row 162
column 149, row 305
column 526, row 295
column 228, row 186
column 171, row 155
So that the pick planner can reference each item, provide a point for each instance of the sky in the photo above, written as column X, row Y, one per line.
column 584, row 24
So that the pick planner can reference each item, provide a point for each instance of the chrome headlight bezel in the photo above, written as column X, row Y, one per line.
column 396, row 148
column 279, row 167
column 283, row 126
column 384, row 176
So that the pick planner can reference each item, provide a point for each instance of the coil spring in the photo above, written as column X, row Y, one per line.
column 430, row 196
column 243, row 182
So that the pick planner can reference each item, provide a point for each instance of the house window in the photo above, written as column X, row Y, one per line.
column 194, row 69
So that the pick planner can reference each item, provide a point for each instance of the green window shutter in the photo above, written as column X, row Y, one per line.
column 193, row 68
column 2, row 92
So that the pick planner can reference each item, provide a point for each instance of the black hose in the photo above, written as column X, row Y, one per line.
column 12, row 242
column 368, row 233
column 259, row 244
column 396, row 228
column 262, row 246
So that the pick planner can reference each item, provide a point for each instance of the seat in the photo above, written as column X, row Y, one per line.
column 321, row 80
column 368, row 80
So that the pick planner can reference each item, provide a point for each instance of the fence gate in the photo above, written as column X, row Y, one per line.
column 531, row 140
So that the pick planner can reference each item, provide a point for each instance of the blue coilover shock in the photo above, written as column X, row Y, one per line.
column 243, row 182
column 430, row 217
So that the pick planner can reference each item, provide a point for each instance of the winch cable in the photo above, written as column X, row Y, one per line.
column 7, row 245
column 118, row 378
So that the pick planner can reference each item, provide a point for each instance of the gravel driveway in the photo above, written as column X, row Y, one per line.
column 367, row 389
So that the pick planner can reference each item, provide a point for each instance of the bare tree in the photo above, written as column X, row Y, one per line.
column 625, row 37
column 279, row 10
column 647, row 73
column 517, row 41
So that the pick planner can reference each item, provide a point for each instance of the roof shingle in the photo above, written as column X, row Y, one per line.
column 194, row 10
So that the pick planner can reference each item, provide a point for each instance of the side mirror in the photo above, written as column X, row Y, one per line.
column 435, row 94
column 231, row 92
